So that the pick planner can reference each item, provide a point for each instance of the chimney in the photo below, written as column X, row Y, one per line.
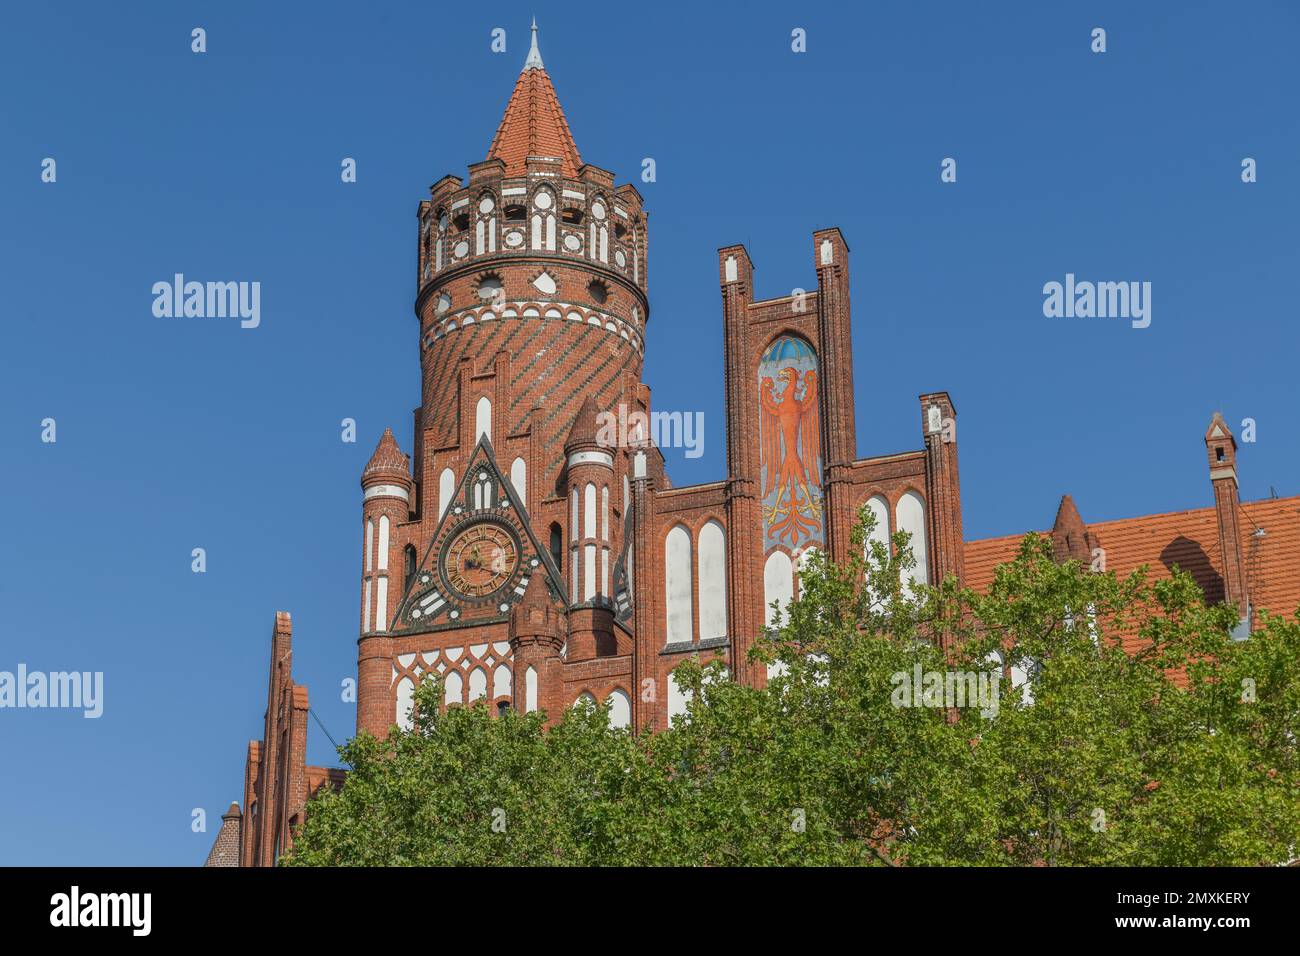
column 1221, row 450
column 947, row 551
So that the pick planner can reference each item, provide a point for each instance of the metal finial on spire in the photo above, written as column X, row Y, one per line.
column 534, row 61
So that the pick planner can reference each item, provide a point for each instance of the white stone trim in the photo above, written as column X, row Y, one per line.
column 591, row 458
column 613, row 324
column 386, row 491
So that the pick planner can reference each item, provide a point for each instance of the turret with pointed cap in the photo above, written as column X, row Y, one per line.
column 536, row 636
column 387, row 464
column 590, row 475
column 225, row 849
column 385, row 506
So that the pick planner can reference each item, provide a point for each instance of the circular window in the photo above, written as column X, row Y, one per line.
column 489, row 287
column 543, row 200
column 485, row 204
column 598, row 291
column 598, row 209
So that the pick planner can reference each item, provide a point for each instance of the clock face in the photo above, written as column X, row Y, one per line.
column 480, row 560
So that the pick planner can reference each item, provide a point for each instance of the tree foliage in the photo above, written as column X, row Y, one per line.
column 1127, row 729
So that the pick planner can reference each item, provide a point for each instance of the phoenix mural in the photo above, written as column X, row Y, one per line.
column 790, row 462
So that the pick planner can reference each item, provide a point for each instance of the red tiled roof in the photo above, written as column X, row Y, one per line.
column 534, row 125
column 1190, row 540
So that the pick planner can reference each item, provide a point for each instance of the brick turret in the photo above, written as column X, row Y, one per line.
column 593, row 536
column 536, row 637
column 540, row 255
column 386, row 498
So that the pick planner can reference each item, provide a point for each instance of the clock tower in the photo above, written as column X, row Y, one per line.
column 530, row 550
column 531, row 305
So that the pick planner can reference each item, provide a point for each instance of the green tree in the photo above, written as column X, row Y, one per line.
column 1117, row 725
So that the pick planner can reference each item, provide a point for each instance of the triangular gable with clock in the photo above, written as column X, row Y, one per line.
column 481, row 558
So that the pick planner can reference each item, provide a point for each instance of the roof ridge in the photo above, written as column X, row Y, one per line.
column 1095, row 525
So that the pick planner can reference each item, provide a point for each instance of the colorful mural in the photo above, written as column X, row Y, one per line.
column 790, row 458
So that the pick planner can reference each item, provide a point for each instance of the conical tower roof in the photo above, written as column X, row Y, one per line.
column 586, row 427
column 388, row 461
column 536, row 595
column 1071, row 539
column 534, row 123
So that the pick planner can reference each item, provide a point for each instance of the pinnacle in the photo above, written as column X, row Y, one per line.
column 388, row 459
column 534, row 123
column 586, row 426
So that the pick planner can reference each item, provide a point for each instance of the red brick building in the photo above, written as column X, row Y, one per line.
column 531, row 561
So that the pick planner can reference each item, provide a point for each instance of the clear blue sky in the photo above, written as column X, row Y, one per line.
column 183, row 433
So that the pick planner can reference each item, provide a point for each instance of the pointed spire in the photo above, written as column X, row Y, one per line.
column 534, row 61
column 534, row 123
column 1067, row 515
column 388, row 461
column 586, row 427
column 1071, row 539
column 1221, row 447
column 535, row 594
column 225, row 848
column 1219, row 430
column 534, row 620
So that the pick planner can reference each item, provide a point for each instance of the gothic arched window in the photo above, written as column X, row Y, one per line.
column 411, row 561
column 557, row 545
